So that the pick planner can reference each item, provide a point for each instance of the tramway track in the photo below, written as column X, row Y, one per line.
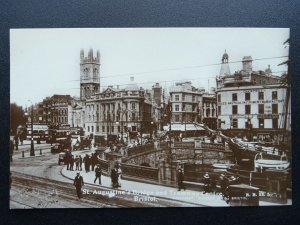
column 67, row 191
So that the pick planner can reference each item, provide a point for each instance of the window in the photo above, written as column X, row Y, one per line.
column 235, row 123
column 133, row 117
column 274, row 109
column 219, row 110
column 176, row 107
column 88, row 128
column 234, row 97
column 92, row 128
column 261, row 108
column 97, row 129
column 247, row 96
column 113, row 129
column 261, row 123
column 219, row 97
column 133, row 105
column 119, row 129
column 260, row 96
column 234, row 109
column 176, row 97
column 103, row 128
column 247, row 109
column 107, row 129
column 274, row 95
column 275, row 123
column 176, row 118
column 183, row 97
column 193, row 98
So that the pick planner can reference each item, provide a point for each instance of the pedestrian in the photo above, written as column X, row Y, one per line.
column 119, row 173
column 224, row 185
column 86, row 161
column 72, row 162
column 98, row 172
column 114, row 178
column 180, row 178
column 21, row 139
column 16, row 141
column 206, row 182
column 68, row 159
column 80, row 162
column 77, row 163
column 78, row 183
column 11, row 150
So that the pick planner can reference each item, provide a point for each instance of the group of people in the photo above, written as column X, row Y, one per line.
column 210, row 183
column 90, row 161
column 116, row 174
column 70, row 160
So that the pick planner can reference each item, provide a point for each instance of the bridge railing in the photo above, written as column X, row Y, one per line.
column 139, row 149
column 144, row 172
column 213, row 146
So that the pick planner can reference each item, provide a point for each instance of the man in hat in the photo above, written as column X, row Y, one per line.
column 98, row 172
column 224, row 185
column 206, row 182
column 78, row 183
column 180, row 179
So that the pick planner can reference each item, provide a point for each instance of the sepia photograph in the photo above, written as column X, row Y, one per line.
column 150, row 117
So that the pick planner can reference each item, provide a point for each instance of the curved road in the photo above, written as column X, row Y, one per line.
column 37, row 183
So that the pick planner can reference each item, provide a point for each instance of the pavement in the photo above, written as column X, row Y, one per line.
column 161, row 191
column 188, row 196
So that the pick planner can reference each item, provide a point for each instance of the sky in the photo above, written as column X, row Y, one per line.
column 45, row 62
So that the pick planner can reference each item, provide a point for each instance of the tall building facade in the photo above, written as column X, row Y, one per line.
column 115, row 111
column 184, row 99
column 208, row 109
column 250, row 103
column 57, row 110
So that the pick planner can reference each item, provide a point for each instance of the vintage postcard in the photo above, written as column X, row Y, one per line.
column 150, row 117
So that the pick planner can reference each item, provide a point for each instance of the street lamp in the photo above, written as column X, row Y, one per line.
column 152, row 129
column 31, row 143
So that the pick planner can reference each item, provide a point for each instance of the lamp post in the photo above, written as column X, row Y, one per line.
column 31, row 143
column 152, row 129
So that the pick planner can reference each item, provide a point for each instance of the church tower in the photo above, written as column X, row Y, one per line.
column 89, row 74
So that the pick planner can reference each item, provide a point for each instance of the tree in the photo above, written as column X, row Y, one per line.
column 17, row 117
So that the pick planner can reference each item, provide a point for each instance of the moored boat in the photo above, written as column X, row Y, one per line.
column 246, row 152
